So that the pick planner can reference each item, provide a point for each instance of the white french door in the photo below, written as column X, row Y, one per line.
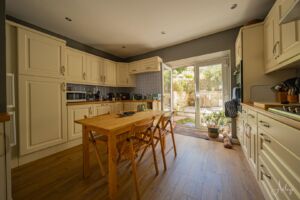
column 167, row 104
column 212, row 85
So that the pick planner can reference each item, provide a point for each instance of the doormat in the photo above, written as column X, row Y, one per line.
column 194, row 132
column 190, row 131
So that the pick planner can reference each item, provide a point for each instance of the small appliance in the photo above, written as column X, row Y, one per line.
column 76, row 96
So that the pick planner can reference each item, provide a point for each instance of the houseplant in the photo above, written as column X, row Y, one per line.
column 214, row 121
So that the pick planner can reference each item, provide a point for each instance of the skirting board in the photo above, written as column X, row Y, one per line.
column 43, row 153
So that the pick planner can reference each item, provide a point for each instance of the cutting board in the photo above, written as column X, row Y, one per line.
column 266, row 105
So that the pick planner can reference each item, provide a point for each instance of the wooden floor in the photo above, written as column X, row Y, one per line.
column 203, row 170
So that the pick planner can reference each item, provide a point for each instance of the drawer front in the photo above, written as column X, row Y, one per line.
column 271, row 184
column 252, row 116
column 287, row 163
column 285, row 135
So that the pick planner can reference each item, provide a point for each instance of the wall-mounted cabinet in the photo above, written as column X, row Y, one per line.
column 40, row 54
column 146, row 65
column 281, row 41
column 109, row 72
column 76, row 71
column 42, row 113
column 94, row 69
column 124, row 78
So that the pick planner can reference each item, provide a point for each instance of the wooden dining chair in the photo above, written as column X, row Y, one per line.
column 95, row 138
column 140, row 137
column 163, row 128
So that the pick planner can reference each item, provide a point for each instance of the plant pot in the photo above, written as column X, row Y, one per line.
column 213, row 132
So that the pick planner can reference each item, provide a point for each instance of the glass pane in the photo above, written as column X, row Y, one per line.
column 167, row 73
column 184, row 96
column 210, row 91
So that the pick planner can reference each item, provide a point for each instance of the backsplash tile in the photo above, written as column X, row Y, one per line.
column 146, row 83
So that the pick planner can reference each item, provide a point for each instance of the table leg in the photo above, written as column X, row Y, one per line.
column 86, row 152
column 112, row 166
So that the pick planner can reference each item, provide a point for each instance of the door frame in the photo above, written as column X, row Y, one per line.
column 226, row 79
column 163, row 68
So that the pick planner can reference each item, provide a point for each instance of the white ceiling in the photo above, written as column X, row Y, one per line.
column 137, row 24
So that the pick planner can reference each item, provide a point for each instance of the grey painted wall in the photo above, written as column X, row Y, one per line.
column 209, row 44
column 70, row 42
column 2, row 58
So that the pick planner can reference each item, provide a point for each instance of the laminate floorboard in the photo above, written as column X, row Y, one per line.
column 203, row 170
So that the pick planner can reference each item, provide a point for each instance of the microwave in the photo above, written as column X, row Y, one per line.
column 75, row 96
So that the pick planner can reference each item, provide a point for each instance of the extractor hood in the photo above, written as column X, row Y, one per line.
column 292, row 14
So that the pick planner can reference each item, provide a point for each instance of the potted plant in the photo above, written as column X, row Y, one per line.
column 214, row 121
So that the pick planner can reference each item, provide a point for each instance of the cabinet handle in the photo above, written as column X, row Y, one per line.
column 148, row 67
column 134, row 70
column 264, row 138
column 264, row 173
column 84, row 75
column 276, row 52
column 127, row 80
column 62, row 70
column 265, row 124
column 63, row 87
column 252, row 116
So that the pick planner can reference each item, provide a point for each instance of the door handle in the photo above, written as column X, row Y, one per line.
column 63, row 87
column 62, row 70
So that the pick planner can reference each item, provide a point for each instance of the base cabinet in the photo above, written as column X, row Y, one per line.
column 77, row 113
column 272, row 149
column 42, row 113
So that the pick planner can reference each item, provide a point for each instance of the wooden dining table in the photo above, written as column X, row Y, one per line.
column 111, row 125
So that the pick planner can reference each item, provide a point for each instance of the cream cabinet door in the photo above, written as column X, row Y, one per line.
column 124, row 78
column 116, row 107
column 289, row 34
column 40, row 55
column 101, row 109
column 238, row 48
column 109, row 72
column 76, row 66
column 94, row 69
column 134, row 67
column 122, row 74
column 270, row 41
column 42, row 113
column 77, row 113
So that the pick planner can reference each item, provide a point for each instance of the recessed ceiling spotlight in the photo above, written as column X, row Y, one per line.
column 124, row 47
column 233, row 6
column 68, row 19
column 163, row 32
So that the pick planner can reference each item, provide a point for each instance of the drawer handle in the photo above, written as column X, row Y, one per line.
column 252, row 116
column 265, row 139
column 264, row 173
column 265, row 124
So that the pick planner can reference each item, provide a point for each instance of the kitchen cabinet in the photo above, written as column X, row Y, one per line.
column 76, row 71
column 40, row 54
column 109, row 73
column 42, row 113
column 238, row 49
column 289, row 43
column 271, row 39
column 132, row 106
column 94, row 69
column 281, row 41
column 146, row 65
column 124, row 79
column 274, row 159
column 116, row 107
column 75, row 113
column 101, row 109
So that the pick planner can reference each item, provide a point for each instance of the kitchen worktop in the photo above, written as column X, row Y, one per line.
column 288, row 121
column 108, row 101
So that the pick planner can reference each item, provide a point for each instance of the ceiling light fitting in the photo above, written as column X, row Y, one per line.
column 233, row 6
column 163, row 33
column 68, row 19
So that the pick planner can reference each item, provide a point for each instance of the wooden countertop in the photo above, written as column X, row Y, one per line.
column 288, row 121
column 99, row 102
column 4, row 117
